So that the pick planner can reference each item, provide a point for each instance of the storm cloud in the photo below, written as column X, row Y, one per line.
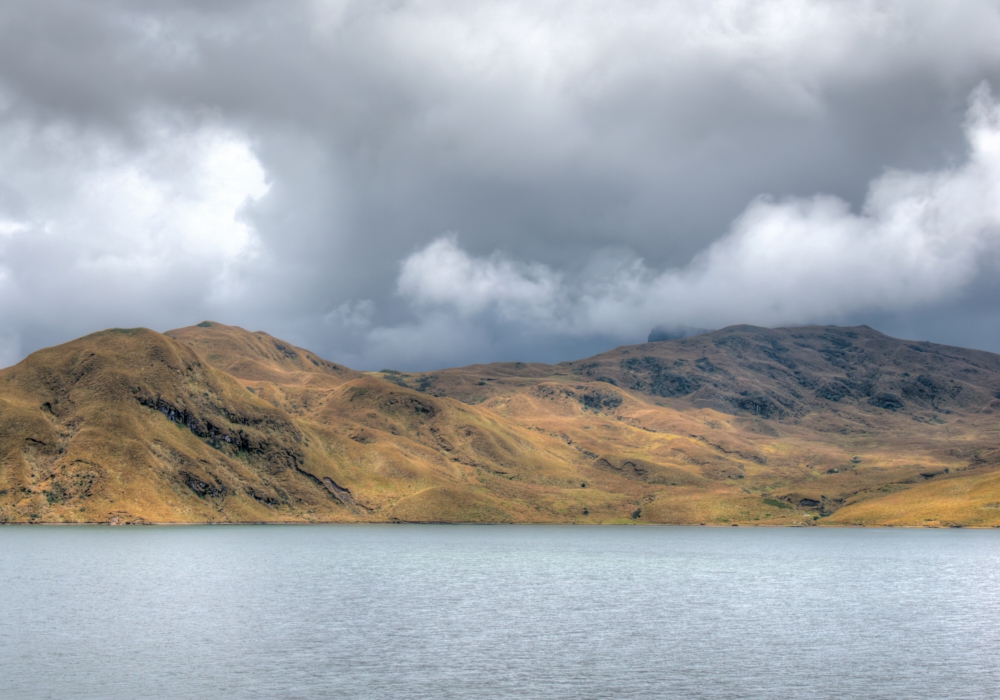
column 416, row 184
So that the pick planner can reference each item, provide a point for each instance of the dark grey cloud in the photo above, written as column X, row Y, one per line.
column 577, row 172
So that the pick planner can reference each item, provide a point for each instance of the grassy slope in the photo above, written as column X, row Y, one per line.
column 213, row 423
column 845, row 425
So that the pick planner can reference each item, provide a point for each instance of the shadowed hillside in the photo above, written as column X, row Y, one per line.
column 743, row 425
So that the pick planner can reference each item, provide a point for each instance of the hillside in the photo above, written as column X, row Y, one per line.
column 817, row 425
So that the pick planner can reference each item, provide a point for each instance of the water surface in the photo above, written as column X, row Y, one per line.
column 498, row 612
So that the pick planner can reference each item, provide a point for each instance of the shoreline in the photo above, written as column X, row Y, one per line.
column 500, row 524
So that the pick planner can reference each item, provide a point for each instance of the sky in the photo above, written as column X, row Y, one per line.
column 421, row 184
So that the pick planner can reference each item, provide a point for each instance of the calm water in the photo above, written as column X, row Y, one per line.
column 498, row 612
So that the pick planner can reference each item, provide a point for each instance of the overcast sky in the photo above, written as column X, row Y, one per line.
column 425, row 184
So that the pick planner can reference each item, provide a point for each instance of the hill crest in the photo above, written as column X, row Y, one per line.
column 810, row 425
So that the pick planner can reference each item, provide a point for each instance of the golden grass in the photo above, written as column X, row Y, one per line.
column 215, row 424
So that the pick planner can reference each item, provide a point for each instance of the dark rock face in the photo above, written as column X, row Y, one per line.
column 597, row 400
column 263, row 498
column 364, row 437
column 787, row 373
column 833, row 391
column 889, row 402
column 336, row 491
column 342, row 494
column 408, row 404
column 285, row 350
column 654, row 376
column 246, row 436
column 627, row 468
column 760, row 405
column 203, row 488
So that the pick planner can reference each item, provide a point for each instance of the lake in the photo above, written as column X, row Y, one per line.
column 439, row 611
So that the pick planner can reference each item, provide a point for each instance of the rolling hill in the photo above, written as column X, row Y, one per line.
column 745, row 425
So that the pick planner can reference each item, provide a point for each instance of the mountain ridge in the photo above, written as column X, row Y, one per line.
column 744, row 425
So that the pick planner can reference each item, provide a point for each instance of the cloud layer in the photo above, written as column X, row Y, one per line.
column 917, row 239
column 364, row 177
column 122, row 236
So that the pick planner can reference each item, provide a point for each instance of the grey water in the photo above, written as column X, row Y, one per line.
column 412, row 611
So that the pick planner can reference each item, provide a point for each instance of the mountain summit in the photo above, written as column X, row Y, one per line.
column 213, row 423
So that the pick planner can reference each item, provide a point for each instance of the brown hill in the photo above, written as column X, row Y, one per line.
column 744, row 425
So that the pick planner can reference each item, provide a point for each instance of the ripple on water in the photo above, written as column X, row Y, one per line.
column 498, row 612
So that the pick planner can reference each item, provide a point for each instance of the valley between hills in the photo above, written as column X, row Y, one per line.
column 741, row 426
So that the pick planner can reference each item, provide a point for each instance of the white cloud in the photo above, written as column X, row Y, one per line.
column 546, row 130
column 351, row 315
column 179, row 199
column 443, row 274
column 114, row 229
column 918, row 238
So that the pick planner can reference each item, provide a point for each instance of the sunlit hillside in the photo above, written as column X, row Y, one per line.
column 805, row 426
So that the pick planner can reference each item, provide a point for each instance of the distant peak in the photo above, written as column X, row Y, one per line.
column 673, row 332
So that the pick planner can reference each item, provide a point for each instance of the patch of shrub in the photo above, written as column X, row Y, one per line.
column 889, row 402
column 597, row 400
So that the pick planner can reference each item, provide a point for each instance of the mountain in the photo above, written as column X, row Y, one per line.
column 745, row 425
